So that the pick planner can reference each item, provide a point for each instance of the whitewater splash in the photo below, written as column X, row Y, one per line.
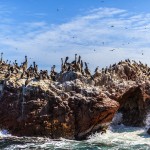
column 117, row 119
column 147, row 122
column 122, row 137
column 117, row 138
column 148, row 119
column 4, row 133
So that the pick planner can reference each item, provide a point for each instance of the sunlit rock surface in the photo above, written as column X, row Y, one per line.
column 73, row 103
column 70, row 109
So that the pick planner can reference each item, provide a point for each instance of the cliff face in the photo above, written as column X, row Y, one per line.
column 73, row 103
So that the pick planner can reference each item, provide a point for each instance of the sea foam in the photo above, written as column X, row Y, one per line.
column 4, row 133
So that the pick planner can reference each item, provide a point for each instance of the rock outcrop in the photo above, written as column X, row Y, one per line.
column 134, row 105
column 73, row 103
column 48, row 111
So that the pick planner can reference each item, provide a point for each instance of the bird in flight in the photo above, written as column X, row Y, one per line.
column 112, row 49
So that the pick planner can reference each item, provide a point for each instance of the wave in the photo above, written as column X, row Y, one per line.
column 122, row 137
column 117, row 137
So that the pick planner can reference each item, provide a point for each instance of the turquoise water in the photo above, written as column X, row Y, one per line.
column 117, row 138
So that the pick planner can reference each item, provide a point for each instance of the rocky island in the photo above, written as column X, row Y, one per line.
column 72, row 103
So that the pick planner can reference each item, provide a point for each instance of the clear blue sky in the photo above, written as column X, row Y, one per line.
column 59, row 11
column 47, row 30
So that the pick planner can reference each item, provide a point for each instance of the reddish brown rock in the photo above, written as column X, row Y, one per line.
column 72, row 103
column 36, row 112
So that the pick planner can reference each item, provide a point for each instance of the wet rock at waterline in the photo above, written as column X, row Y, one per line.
column 134, row 106
column 72, row 103
column 148, row 131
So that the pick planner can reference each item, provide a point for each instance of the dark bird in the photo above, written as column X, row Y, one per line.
column 112, row 49
column 81, row 64
column 62, row 65
column 85, row 64
column 27, row 82
column 75, row 61
column 79, row 59
column 1, row 56
column 96, row 69
column 87, row 71
column 66, row 59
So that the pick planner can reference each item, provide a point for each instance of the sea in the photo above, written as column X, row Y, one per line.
column 117, row 137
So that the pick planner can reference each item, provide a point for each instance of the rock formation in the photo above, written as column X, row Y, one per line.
column 128, row 82
column 72, row 103
column 58, row 105
column 48, row 111
column 134, row 105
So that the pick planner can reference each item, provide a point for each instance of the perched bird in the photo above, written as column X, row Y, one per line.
column 66, row 59
column 86, row 70
column 96, row 69
column 27, row 82
column 1, row 57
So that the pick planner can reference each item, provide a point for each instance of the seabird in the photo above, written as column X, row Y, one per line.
column 96, row 69
column 1, row 57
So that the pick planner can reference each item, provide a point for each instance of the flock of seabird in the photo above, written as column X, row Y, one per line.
column 32, row 71
column 124, row 70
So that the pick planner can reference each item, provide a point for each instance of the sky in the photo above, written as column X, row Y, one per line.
column 101, row 31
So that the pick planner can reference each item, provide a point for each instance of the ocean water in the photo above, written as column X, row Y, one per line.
column 117, row 137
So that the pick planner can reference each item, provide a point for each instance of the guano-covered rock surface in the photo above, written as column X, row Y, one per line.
column 72, row 103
